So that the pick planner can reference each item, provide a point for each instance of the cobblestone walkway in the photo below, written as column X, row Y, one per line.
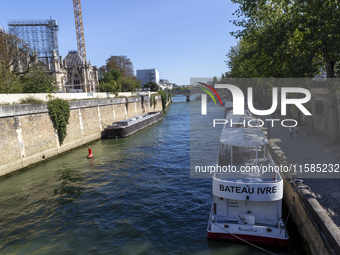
column 313, row 149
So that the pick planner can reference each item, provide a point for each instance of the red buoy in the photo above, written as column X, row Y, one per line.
column 90, row 153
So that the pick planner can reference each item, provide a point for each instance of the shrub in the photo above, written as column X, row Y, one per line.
column 164, row 98
column 59, row 110
column 153, row 101
column 31, row 100
column 38, row 81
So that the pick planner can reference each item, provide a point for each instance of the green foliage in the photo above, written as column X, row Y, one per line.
column 153, row 101
column 122, row 64
column 164, row 98
column 112, row 87
column 109, row 75
column 179, row 88
column 31, row 100
column 129, row 84
column 117, row 75
column 214, row 81
column 153, row 86
column 285, row 38
column 59, row 110
column 9, row 82
column 169, row 96
column 38, row 81
column 109, row 81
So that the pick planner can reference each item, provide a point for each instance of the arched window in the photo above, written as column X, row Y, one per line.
column 76, row 81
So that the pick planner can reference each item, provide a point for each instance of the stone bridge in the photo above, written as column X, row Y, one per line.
column 186, row 92
column 182, row 93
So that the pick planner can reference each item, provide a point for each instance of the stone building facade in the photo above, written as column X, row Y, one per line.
column 73, row 74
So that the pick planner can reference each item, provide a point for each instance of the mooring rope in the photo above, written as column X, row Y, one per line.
column 290, row 209
column 258, row 247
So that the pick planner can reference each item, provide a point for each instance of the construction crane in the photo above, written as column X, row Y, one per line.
column 78, row 18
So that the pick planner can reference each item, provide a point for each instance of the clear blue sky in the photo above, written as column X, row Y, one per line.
column 180, row 38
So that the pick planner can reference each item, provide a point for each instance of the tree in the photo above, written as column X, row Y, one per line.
column 19, row 69
column 214, row 81
column 101, row 73
column 9, row 82
column 153, row 86
column 288, row 39
column 297, row 37
column 129, row 84
column 109, row 75
column 109, row 80
column 122, row 64
column 112, row 87
column 15, row 54
column 38, row 81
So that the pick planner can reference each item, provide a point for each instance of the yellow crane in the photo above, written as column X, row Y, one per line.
column 78, row 19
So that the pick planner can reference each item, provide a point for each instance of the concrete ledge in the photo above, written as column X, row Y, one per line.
column 22, row 109
column 15, row 98
column 95, row 102
column 26, row 109
column 330, row 233
column 133, row 99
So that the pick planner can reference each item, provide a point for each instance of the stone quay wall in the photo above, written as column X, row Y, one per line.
column 27, row 134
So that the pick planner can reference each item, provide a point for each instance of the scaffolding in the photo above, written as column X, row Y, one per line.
column 40, row 35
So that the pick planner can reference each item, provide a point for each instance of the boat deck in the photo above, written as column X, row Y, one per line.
column 127, row 127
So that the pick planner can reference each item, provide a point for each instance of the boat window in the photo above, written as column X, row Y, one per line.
column 241, row 155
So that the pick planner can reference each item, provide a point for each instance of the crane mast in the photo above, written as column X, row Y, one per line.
column 78, row 18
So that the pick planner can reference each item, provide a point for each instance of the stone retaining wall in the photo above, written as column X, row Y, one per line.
column 27, row 135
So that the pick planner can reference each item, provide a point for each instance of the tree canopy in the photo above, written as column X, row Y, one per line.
column 129, row 84
column 285, row 38
column 117, row 75
column 122, row 64
column 19, row 72
column 38, row 81
column 288, row 38
column 109, row 80
column 153, row 86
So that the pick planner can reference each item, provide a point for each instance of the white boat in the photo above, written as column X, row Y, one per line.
column 247, row 203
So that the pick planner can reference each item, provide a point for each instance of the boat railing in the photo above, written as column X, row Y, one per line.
column 134, row 120
column 210, row 218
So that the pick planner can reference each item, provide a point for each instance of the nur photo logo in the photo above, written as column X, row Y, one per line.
column 204, row 97
column 280, row 99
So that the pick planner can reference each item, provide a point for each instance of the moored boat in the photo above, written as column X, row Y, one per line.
column 127, row 127
column 247, row 199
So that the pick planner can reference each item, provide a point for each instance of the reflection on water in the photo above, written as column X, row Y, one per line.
column 68, row 186
column 134, row 197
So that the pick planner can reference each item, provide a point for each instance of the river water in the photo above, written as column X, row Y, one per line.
column 134, row 197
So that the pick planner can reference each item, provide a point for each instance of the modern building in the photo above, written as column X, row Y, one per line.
column 163, row 82
column 147, row 75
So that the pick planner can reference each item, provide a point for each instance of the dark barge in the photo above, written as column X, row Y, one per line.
column 127, row 127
